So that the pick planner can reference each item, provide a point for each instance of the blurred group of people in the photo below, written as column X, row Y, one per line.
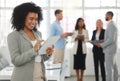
column 104, row 49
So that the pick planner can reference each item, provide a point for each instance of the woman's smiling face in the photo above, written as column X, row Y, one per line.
column 31, row 20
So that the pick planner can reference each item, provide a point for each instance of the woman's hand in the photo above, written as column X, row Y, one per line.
column 76, row 38
column 98, row 45
column 37, row 45
column 79, row 38
column 49, row 50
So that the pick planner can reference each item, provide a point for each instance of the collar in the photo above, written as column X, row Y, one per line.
column 26, row 37
column 109, row 21
column 57, row 21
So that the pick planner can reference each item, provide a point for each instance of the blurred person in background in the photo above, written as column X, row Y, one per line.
column 110, row 48
column 98, row 55
column 80, row 37
column 57, row 30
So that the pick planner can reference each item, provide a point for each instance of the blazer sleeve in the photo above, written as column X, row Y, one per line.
column 111, row 36
column 18, row 58
column 86, row 36
column 73, row 36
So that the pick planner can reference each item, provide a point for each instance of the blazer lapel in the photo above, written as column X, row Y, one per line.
column 25, row 36
column 37, row 36
column 101, row 37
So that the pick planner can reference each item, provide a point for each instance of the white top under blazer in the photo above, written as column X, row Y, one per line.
column 75, row 45
column 38, row 57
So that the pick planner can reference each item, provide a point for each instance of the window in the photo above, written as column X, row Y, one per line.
column 90, row 10
column 92, row 3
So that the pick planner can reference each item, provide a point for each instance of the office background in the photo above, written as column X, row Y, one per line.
column 90, row 10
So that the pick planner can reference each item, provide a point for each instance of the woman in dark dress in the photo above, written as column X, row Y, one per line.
column 80, row 38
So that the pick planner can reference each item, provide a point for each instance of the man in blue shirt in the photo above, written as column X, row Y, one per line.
column 56, row 30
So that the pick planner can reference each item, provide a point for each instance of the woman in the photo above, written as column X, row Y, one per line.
column 98, row 55
column 80, row 37
column 24, row 43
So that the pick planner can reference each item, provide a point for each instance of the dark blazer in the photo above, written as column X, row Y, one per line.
column 101, row 37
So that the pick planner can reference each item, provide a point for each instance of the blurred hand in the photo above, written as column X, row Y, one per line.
column 37, row 45
column 66, row 34
column 98, row 45
column 49, row 50
column 76, row 38
column 79, row 38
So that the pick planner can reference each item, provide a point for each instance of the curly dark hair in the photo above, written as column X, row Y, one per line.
column 76, row 26
column 21, row 11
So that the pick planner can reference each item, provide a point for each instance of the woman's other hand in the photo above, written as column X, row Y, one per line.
column 37, row 45
column 79, row 38
column 49, row 50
